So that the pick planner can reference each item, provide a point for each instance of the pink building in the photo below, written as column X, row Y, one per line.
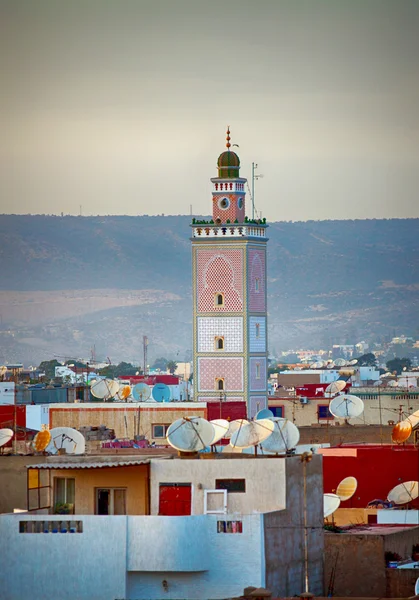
column 229, row 295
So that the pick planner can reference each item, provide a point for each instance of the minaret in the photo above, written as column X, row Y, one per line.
column 229, row 295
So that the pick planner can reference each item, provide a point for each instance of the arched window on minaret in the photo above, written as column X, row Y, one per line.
column 219, row 299
column 219, row 384
column 219, row 343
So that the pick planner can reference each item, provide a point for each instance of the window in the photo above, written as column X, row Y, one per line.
column 257, row 371
column 323, row 412
column 257, row 285
column 219, row 384
column 278, row 411
column 257, row 328
column 223, row 203
column 64, row 490
column 160, row 431
column 219, row 343
column 240, row 203
column 111, row 501
column 219, row 299
column 39, row 489
column 231, row 485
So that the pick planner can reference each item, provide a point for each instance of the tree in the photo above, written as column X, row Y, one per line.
column 398, row 364
column 75, row 363
column 367, row 360
column 160, row 363
column 48, row 367
column 124, row 368
column 171, row 366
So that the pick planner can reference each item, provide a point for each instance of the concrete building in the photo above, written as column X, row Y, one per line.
column 229, row 295
column 242, row 525
column 154, row 418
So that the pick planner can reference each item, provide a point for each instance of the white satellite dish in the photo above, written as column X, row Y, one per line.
column 417, row 587
column 284, row 437
column 347, row 488
column 346, row 406
column 230, row 448
column 340, row 362
column 104, row 389
column 313, row 366
column 353, row 362
column 221, row 427
column 392, row 383
column 68, row 439
column 404, row 492
column 377, row 383
column 335, row 387
column 252, row 434
column 331, row 502
column 190, row 434
column 387, row 374
column 235, row 425
column 331, row 365
column 5, row 436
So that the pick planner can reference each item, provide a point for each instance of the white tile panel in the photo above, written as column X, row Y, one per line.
column 231, row 328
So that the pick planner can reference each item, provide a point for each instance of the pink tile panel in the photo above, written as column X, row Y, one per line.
column 230, row 369
column 220, row 270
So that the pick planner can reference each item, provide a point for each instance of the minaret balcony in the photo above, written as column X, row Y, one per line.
column 227, row 230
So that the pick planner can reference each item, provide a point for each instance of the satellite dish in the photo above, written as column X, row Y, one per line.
column 346, row 406
column 392, row 383
column 68, row 439
column 5, row 436
column 285, row 436
column 41, row 440
column 331, row 365
column 265, row 413
column 404, row 492
column 331, row 502
column 161, row 392
column 221, row 427
column 235, row 425
column 347, row 488
column 340, row 362
column 104, row 389
column 3, row 371
column 353, row 362
column 313, row 366
column 377, row 383
column 401, row 432
column 417, row 587
column 252, row 434
column 141, row 392
column 388, row 374
column 335, row 387
column 124, row 392
column 190, row 434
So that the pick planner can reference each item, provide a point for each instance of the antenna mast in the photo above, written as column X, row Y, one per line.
column 255, row 177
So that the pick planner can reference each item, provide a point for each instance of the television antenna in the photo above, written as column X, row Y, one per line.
column 255, row 177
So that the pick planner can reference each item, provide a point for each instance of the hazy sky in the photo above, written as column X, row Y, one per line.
column 121, row 106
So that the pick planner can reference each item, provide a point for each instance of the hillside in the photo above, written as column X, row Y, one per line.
column 70, row 282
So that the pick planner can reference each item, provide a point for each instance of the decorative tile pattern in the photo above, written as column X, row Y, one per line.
column 256, row 281
column 229, row 369
column 257, row 372
column 230, row 328
column 220, row 271
column 257, row 334
column 256, row 404
column 231, row 213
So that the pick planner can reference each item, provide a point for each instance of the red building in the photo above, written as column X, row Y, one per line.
column 377, row 469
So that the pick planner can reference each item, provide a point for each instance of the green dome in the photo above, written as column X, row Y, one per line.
column 228, row 165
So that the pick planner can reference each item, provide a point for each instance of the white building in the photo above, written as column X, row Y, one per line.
column 244, row 525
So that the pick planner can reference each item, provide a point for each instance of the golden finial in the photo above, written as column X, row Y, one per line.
column 228, row 137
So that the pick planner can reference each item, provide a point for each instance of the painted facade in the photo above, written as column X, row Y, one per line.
column 229, row 295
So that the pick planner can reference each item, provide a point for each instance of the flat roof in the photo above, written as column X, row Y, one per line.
column 375, row 529
column 89, row 464
column 172, row 405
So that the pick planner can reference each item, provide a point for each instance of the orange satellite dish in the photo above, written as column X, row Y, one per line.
column 41, row 440
column 401, row 432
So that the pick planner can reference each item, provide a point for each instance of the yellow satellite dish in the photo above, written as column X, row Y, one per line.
column 347, row 488
column 41, row 440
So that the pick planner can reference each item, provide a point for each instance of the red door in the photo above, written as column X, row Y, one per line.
column 175, row 499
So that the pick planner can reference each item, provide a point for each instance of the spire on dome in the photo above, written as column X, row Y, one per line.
column 228, row 162
column 228, row 145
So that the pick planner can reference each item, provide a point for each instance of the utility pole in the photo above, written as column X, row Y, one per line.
column 145, row 344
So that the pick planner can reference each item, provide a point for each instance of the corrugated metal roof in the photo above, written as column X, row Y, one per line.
column 89, row 465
